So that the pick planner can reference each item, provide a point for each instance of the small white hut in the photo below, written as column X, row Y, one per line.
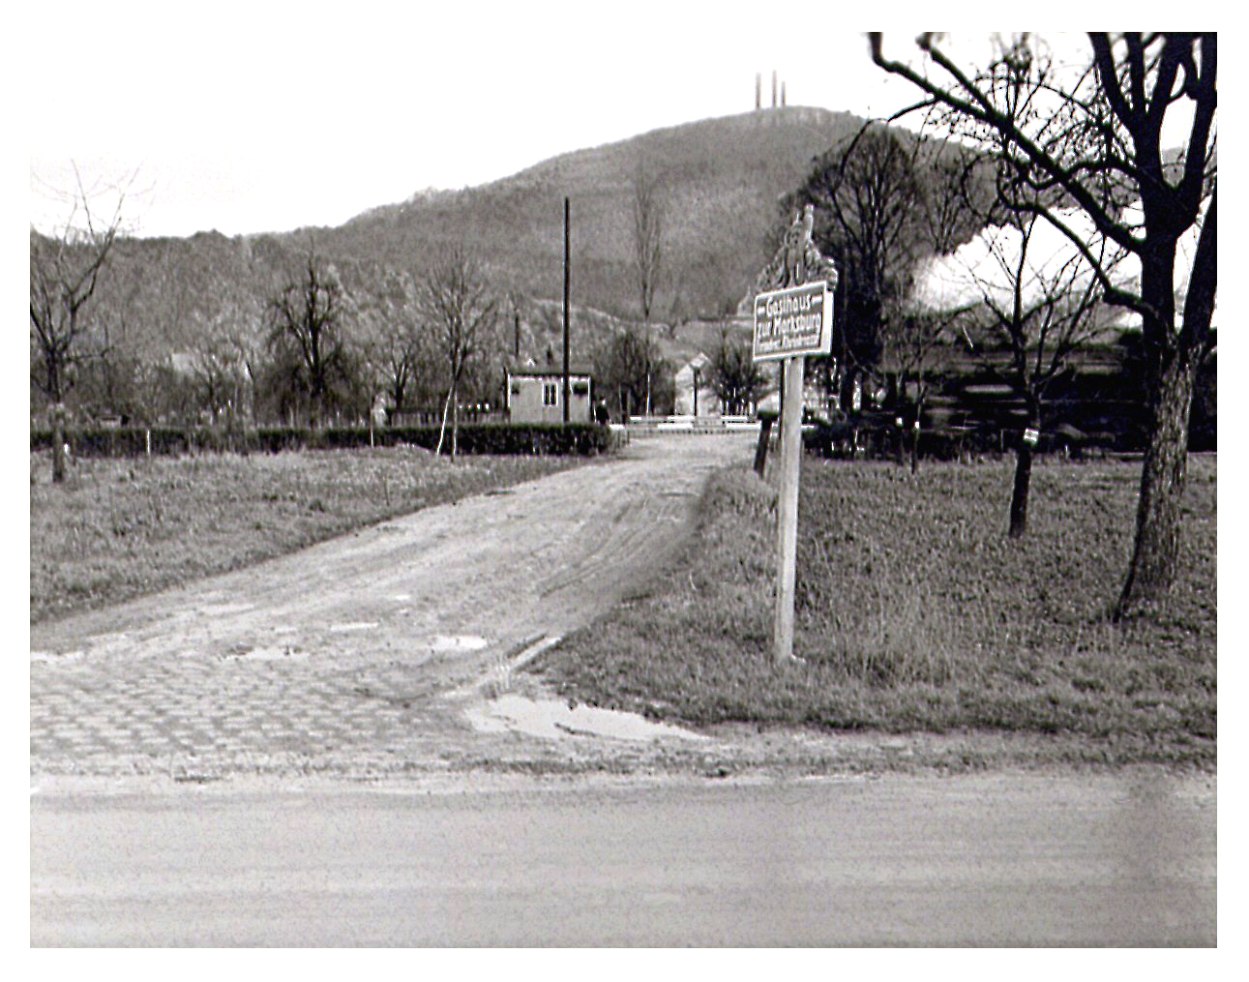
column 694, row 394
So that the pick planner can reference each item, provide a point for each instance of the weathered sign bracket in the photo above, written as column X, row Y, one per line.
column 793, row 318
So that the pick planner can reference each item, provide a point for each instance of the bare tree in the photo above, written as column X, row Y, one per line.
column 953, row 203
column 1037, row 308
column 737, row 379
column 398, row 351
column 1096, row 139
column 957, row 188
column 648, row 232
column 463, row 312
column 222, row 378
column 65, row 270
column 306, row 318
column 867, row 200
column 632, row 372
column 914, row 345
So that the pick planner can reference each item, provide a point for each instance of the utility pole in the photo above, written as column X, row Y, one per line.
column 567, row 295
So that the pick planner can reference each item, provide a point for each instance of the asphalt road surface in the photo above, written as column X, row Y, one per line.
column 1123, row 859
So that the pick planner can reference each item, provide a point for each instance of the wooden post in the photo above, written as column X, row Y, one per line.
column 761, row 449
column 787, row 511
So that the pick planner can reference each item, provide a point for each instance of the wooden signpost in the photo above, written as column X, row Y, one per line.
column 793, row 318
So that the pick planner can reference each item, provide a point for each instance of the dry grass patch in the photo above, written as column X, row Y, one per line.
column 121, row 528
column 915, row 612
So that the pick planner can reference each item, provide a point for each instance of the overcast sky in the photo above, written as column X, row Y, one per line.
column 263, row 116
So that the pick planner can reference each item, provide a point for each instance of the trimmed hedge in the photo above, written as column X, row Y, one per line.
column 536, row 439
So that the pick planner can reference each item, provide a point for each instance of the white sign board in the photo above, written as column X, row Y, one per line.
column 794, row 321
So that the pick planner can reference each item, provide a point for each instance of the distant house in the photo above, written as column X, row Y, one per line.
column 535, row 394
column 700, row 401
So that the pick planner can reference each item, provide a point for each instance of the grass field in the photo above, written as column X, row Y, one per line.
column 916, row 613
column 121, row 528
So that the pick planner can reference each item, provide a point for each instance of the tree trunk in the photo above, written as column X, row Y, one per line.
column 899, row 430
column 1019, row 497
column 761, row 449
column 1156, row 549
column 58, row 445
column 1023, row 471
column 442, row 430
column 455, row 423
column 1155, row 552
column 915, row 440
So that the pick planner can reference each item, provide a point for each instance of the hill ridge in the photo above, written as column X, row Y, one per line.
column 721, row 176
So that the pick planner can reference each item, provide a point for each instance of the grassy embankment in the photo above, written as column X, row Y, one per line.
column 122, row 528
column 916, row 613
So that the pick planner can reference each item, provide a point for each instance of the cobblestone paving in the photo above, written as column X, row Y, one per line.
column 165, row 712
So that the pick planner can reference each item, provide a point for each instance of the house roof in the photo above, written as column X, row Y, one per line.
column 699, row 361
column 548, row 371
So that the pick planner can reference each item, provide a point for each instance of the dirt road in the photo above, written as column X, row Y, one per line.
column 342, row 657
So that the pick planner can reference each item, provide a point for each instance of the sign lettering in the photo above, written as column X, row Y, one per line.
column 794, row 321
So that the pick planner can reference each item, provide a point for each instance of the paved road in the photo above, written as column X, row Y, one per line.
column 1001, row 860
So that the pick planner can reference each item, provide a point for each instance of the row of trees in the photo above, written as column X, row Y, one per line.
column 328, row 343
column 314, row 350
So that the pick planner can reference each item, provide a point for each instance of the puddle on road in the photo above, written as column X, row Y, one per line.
column 353, row 626
column 57, row 657
column 265, row 653
column 554, row 719
column 466, row 642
